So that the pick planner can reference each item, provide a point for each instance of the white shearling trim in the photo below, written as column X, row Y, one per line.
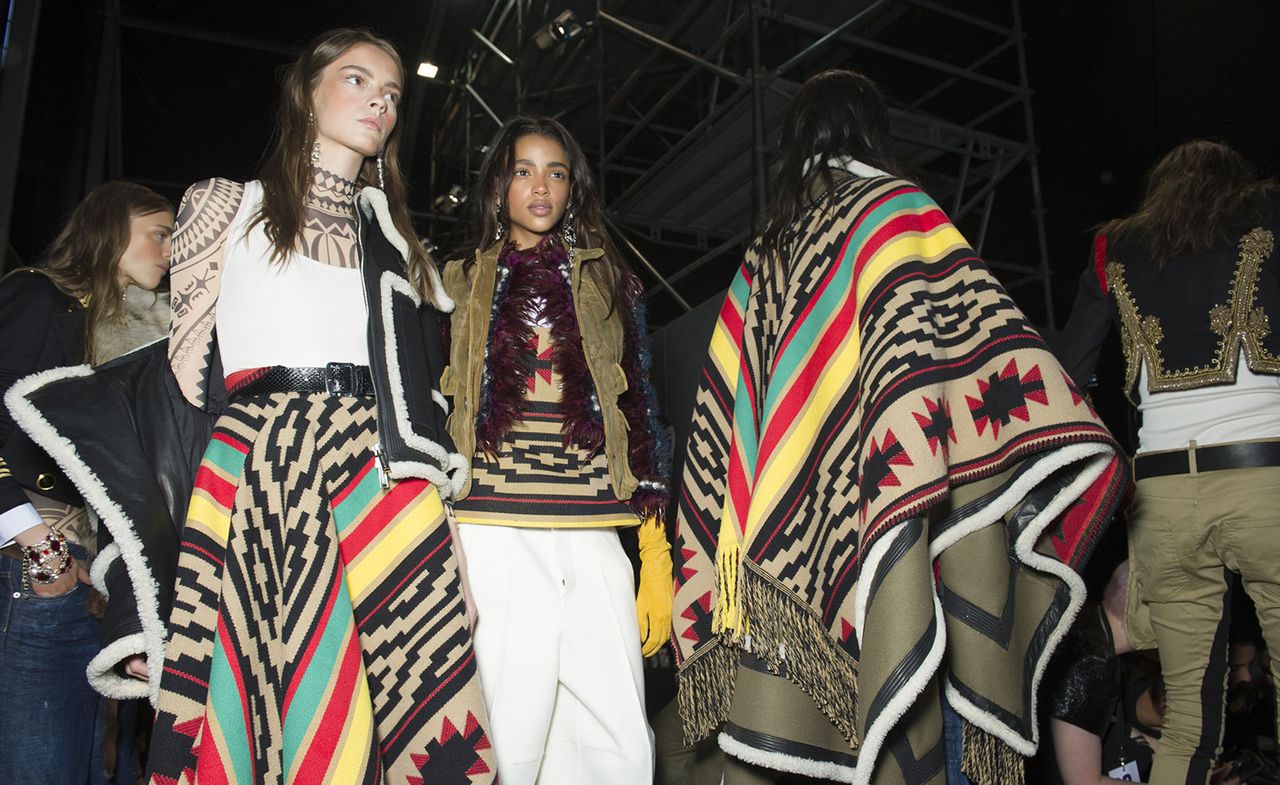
column 1097, row 457
column 102, row 669
column 145, row 590
column 98, row 572
column 779, row 761
column 905, row 697
column 439, row 398
column 377, row 201
column 390, row 285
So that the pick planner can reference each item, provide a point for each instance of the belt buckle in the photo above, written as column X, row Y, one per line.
column 340, row 379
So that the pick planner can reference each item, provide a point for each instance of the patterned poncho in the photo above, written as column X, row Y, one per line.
column 889, row 486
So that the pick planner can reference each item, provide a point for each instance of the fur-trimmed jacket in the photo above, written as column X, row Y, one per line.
column 131, row 443
column 601, row 352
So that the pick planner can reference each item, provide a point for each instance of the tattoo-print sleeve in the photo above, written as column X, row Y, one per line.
column 204, row 221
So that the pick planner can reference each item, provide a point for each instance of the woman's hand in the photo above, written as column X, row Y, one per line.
column 65, row 583
column 136, row 667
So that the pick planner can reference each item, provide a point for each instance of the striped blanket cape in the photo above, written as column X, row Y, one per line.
column 889, row 487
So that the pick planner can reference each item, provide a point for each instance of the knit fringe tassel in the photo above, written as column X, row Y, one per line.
column 705, row 689
column 987, row 760
column 792, row 641
column 728, row 619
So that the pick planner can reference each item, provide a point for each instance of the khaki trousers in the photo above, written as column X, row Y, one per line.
column 1187, row 534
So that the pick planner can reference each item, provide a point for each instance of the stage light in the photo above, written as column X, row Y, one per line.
column 448, row 203
column 428, row 70
column 563, row 28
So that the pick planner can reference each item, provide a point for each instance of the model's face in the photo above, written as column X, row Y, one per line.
column 355, row 103
column 145, row 262
column 539, row 190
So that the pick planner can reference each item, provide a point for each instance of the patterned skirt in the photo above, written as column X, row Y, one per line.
column 318, row 631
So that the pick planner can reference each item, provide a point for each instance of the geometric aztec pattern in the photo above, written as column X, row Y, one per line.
column 318, row 631
column 536, row 479
column 849, row 391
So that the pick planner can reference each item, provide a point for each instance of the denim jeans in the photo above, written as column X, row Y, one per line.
column 953, row 735
column 48, row 712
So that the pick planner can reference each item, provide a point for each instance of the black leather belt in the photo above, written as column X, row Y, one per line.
column 1208, row 459
column 334, row 378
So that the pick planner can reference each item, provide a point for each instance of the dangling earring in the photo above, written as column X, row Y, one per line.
column 315, row 146
column 567, row 233
column 382, row 184
column 498, row 228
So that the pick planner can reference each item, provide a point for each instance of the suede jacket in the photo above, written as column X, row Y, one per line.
column 131, row 444
column 611, row 339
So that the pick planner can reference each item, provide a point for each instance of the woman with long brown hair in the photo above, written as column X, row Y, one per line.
column 336, row 647
column 1191, row 280
column 889, row 484
column 117, row 240
column 315, row 628
column 549, row 378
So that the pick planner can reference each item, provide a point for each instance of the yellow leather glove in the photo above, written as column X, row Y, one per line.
column 654, row 599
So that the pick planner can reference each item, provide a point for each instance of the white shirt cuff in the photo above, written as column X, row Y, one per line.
column 16, row 521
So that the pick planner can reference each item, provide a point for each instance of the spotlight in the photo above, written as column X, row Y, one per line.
column 563, row 28
column 429, row 246
column 428, row 70
column 448, row 203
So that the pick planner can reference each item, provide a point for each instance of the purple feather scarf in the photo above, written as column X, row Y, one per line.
column 534, row 284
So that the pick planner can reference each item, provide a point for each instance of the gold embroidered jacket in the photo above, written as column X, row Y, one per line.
column 1189, row 320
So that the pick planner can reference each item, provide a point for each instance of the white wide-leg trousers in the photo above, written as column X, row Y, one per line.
column 558, row 650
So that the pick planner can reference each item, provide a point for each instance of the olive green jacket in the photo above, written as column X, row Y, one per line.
column 603, row 334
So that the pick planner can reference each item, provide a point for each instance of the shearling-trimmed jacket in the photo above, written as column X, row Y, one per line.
column 132, row 443
column 40, row 328
column 605, row 331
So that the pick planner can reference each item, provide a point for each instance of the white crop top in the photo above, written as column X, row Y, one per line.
column 301, row 314
column 1244, row 411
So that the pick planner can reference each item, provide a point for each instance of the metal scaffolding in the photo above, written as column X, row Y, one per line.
column 679, row 103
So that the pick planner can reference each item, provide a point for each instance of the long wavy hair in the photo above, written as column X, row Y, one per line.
column 1195, row 198
column 286, row 172
column 837, row 113
column 83, row 261
column 488, row 209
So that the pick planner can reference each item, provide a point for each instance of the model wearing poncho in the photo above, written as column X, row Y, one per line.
column 890, row 485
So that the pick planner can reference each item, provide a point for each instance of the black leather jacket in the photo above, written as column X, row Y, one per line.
column 131, row 443
column 40, row 328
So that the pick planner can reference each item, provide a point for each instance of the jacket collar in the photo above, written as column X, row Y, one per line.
column 373, row 204
column 488, row 258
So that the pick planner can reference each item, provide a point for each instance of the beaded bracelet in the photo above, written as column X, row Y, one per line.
column 46, row 561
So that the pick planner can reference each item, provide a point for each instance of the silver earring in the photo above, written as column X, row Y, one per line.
column 382, row 183
column 567, row 233
column 498, row 229
column 315, row 146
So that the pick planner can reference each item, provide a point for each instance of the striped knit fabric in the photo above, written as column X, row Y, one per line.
column 318, row 632
column 885, row 464
column 538, row 480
